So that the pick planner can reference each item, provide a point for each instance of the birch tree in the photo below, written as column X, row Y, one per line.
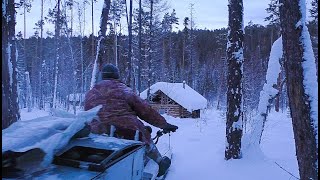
column 234, row 80
column 302, row 85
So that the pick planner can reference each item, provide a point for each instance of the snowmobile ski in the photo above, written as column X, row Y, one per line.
column 168, row 155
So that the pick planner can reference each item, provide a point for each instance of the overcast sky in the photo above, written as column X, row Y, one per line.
column 209, row 14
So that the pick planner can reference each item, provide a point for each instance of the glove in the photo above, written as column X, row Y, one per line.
column 169, row 128
column 148, row 128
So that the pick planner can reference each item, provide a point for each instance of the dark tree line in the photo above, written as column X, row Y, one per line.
column 209, row 50
column 194, row 55
column 209, row 70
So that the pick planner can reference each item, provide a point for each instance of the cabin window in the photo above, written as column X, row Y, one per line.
column 162, row 111
column 156, row 98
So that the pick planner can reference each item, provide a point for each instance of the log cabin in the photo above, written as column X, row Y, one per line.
column 175, row 99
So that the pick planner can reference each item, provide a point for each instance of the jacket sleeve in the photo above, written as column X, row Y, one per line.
column 88, row 100
column 145, row 111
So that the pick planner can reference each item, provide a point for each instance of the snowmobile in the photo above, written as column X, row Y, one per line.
column 90, row 157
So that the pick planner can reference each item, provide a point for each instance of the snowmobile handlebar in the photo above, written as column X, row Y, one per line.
column 159, row 134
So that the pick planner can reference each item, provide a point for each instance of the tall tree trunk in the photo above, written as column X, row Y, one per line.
column 129, row 76
column 234, row 92
column 42, row 70
column 183, row 59
column 29, row 92
column 74, row 72
column 100, row 47
column 71, row 18
column 10, row 108
column 81, row 50
column 140, row 49
column 150, row 50
column 92, row 26
column 57, row 48
column 115, row 24
column 191, row 80
column 302, row 85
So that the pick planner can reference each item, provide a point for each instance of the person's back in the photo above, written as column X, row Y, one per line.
column 119, row 109
column 119, row 114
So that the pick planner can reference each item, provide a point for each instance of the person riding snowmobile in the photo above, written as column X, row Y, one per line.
column 119, row 114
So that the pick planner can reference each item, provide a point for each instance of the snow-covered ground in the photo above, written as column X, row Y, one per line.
column 198, row 149
column 35, row 113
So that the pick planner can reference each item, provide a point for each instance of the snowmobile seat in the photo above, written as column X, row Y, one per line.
column 92, row 156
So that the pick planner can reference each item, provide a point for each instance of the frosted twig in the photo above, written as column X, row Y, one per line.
column 286, row 171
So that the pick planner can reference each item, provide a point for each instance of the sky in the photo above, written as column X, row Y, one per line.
column 208, row 14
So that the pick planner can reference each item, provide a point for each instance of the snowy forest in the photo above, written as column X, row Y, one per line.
column 231, row 67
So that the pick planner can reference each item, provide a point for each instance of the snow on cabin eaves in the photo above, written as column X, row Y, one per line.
column 186, row 97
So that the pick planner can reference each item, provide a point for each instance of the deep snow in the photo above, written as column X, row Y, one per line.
column 198, row 149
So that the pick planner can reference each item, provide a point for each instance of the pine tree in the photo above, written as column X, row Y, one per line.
column 140, row 48
column 234, row 80
column 150, row 49
column 169, row 64
column 314, row 10
column 116, row 12
column 129, row 80
column 184, row 45
column 21, row 67
column 302, row 85
column 273, row 11
column 42, row 61
column 10, row 108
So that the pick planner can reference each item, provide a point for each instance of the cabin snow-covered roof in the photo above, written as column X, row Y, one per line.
column 186, row 97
